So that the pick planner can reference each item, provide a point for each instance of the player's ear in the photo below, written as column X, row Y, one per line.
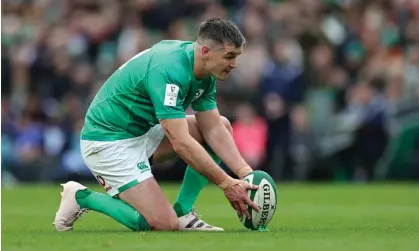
column 205, row 51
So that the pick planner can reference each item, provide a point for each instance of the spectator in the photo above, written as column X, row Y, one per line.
column 249, row 132
column 334, row 81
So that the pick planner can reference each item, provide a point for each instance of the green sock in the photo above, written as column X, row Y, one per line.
column 192, row 184
column 112, row 207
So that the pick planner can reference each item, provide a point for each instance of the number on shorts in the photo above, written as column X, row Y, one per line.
column 101, row 180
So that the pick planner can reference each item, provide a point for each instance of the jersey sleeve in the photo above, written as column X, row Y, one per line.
column 207, row 101
column 167, row 86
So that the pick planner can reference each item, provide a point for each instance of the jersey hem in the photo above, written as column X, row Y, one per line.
column 170, row 116
column 105, row 138
column 205, row 108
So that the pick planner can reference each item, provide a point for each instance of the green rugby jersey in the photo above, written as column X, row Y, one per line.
column 157, row 83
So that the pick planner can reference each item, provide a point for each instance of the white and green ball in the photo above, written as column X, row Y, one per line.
column 265, row 198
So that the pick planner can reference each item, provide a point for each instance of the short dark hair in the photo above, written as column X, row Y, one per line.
column 222, row 31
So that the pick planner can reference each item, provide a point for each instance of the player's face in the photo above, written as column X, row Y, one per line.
column 222, row 60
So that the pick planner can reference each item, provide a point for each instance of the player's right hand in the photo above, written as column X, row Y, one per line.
column 239, row 199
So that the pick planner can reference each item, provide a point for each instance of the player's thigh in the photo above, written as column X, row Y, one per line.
column 117, row 165
column 165, row 151
column 148, row 199
column 122, row 168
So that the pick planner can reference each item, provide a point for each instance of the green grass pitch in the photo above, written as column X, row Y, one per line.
column 309, row 217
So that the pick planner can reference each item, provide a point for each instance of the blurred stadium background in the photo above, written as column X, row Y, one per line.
column 325, row 89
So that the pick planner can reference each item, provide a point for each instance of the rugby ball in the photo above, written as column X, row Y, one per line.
column 265, row 197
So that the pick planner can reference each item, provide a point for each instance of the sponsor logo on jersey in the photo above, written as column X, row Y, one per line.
column 198, row 94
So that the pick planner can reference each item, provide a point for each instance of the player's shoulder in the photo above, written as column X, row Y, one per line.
column 172, row 50
column 175, row 59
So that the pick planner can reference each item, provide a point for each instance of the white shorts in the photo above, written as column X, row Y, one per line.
column 121, row 164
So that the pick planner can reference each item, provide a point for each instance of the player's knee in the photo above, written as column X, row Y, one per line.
column 167, row 223
column 194, row 130
column 227, row 124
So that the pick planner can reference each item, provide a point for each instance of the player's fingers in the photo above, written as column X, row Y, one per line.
column 244, row 209
column 252, row 204
column 248, row 186
column 237, row 208
column 245, row 185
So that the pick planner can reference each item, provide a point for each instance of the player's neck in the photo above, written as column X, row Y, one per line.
column 199, row 70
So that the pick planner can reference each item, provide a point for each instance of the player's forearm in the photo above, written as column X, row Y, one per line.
column 222, row 143
column 196, row 156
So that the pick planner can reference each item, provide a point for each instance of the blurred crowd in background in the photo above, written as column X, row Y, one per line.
column 325, row 89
